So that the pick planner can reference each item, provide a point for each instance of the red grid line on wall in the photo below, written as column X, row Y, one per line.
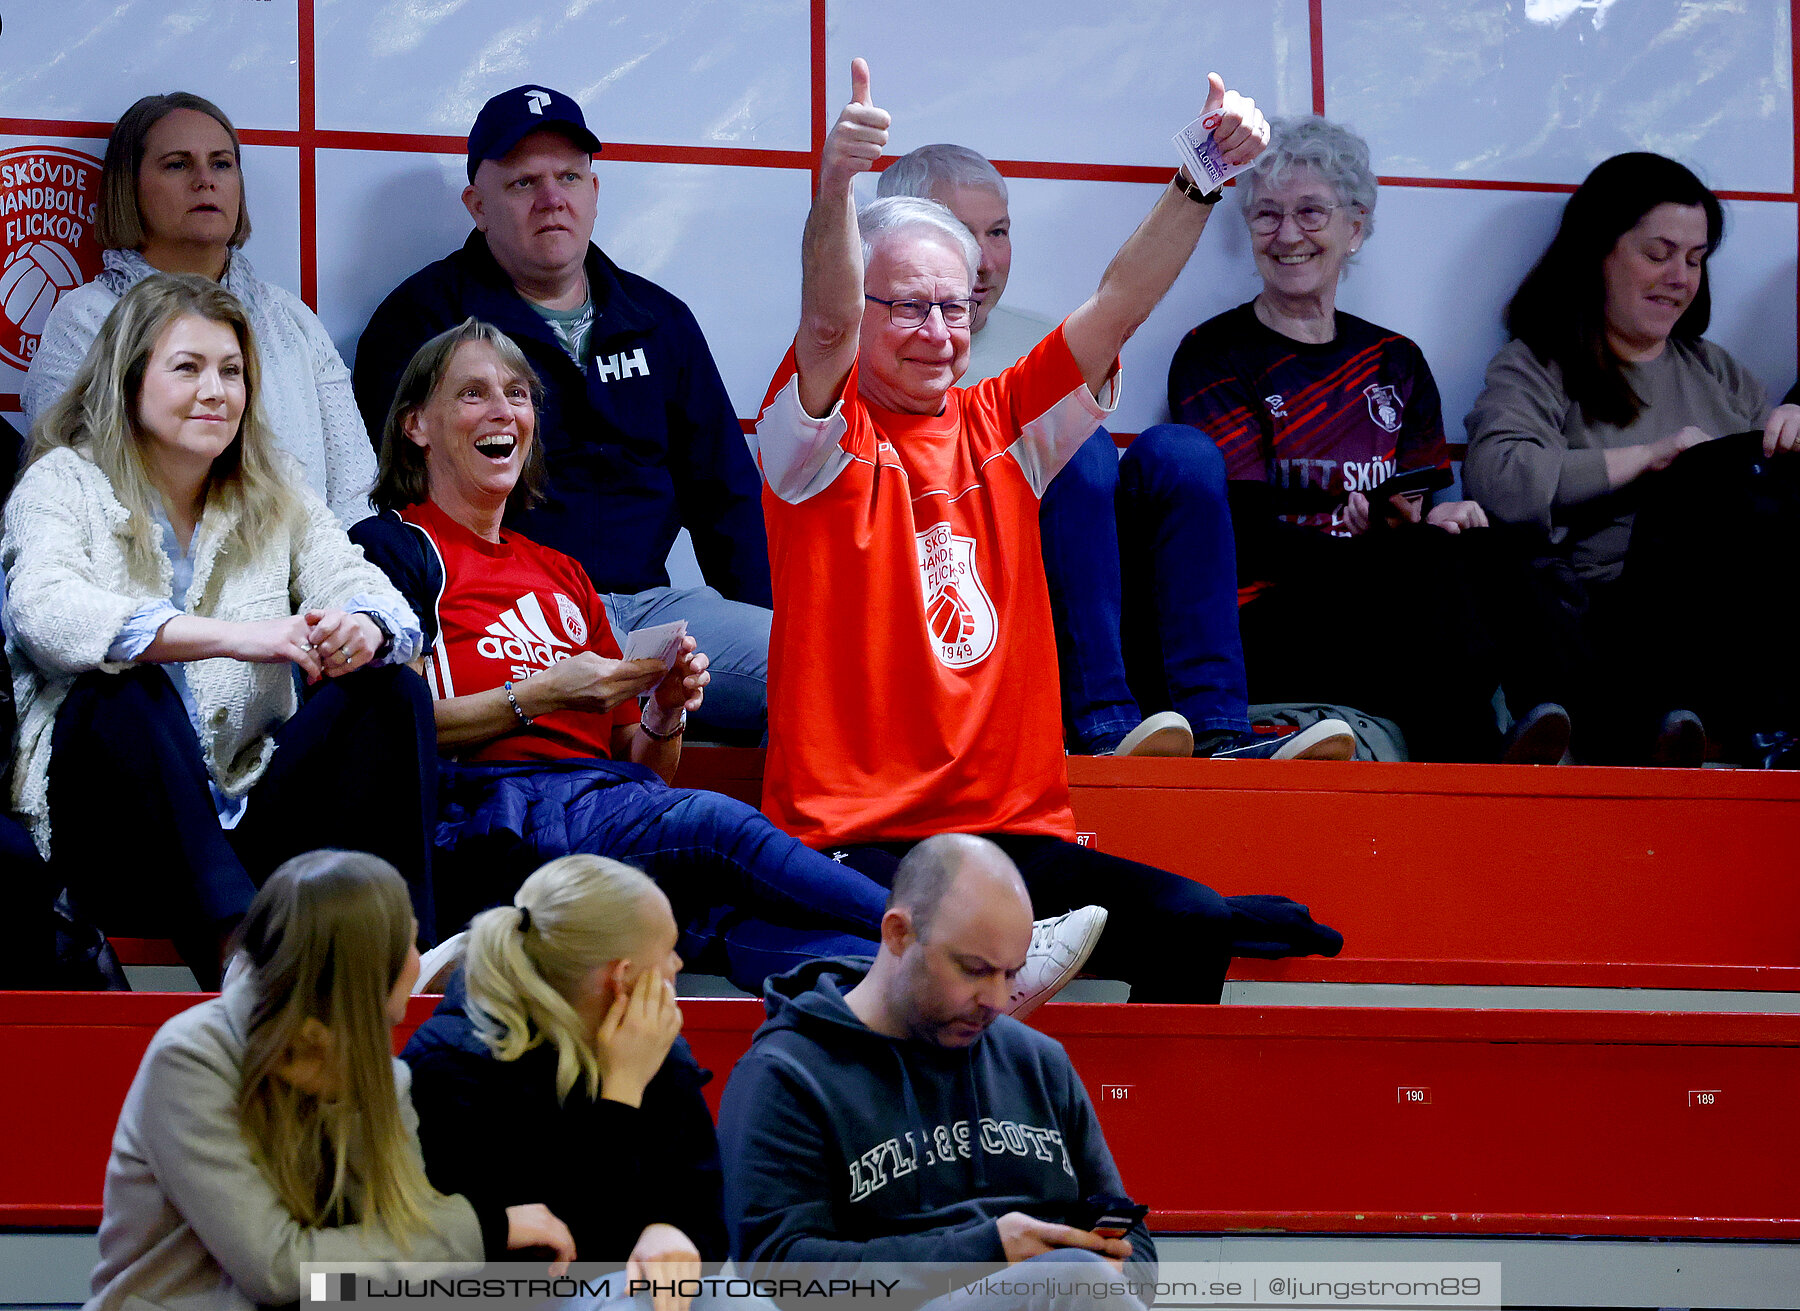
column 1315, row 22
column 751, row 157
column 821, row 107
column 306, row 95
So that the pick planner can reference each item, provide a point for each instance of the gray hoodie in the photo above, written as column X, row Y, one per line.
column 842, row 1146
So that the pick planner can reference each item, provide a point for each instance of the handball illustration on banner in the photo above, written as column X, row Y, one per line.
column 49, row 199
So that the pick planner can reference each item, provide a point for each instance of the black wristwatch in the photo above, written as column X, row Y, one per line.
column 387, row 634
column 1187, row 187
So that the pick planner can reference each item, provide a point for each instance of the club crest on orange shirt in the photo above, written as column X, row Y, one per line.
column 958, row 614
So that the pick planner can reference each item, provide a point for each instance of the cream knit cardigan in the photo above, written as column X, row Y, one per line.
column 305, row 393
column 70, row 588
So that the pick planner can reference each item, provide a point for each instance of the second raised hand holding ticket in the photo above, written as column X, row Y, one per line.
column 663, row 642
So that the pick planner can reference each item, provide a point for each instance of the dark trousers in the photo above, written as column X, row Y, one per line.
column 1414, row 624
column 137, row 839
column 1167, row 936
column 1704, row 615
column 43, row 944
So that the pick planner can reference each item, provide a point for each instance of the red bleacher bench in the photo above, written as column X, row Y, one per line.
column 1223, row 1119
column 1463, row 874
column 1452, row 874
column 145, row 951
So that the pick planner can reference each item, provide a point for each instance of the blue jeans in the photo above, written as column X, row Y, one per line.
column 757, row 901
column 735, row 638
column 1139, row 555
column 750, row 900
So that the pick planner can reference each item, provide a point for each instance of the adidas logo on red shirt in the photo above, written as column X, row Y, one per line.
column 521, row 634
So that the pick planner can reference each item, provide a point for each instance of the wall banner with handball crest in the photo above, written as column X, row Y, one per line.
column 49, row 199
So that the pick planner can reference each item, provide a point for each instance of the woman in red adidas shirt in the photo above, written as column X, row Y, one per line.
column 551, row 753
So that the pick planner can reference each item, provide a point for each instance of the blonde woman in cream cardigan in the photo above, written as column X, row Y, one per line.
column 167, row 576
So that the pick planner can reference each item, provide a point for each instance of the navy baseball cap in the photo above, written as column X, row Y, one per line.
column 513, row 115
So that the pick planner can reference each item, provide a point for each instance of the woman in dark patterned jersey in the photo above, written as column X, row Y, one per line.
column 1349, row 594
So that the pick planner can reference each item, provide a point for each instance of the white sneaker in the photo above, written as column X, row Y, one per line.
column 1329, row 739
column 1059, row 948
column 437, row 965
column 1165, row 733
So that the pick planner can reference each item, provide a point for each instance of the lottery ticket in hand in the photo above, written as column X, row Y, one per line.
column 1205, row 164
column 662, row 642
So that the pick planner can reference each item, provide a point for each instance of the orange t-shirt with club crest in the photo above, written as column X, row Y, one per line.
column 913, row 683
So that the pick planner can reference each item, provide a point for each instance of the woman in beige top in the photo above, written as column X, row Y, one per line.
column 1607, row 384
column 271, row 1128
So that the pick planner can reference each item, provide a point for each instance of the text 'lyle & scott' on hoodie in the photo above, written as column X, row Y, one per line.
column 842, row 1146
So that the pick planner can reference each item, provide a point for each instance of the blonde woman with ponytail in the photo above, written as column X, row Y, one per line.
column 554, row 1069
column 168, row 571
column 271, row 1127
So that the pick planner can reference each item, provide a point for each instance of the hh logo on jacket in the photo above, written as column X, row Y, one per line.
column 958, row 613
column 897, row 1157
column 615, row 367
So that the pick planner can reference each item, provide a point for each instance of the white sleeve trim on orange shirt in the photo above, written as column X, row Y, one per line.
column 799, row 456
column 1050, row 441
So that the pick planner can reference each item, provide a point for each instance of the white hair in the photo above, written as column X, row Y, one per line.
column 922, row 171
column 895, row 214
column 1331, row 150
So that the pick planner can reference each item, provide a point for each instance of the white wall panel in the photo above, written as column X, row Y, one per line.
column 1753, row 290
column 87, row 60
column 383, row 215
column 1542, row 90
column 272, row 189
column 725, row 240
column 1440, row 268
column 1090, row 83
column 673, row 72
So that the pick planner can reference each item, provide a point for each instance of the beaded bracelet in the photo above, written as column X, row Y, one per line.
column 513, row 701
column 671, row 735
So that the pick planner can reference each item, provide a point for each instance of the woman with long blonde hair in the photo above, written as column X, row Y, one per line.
column 270, row 1126
column 167, row 573
column 563, row 1028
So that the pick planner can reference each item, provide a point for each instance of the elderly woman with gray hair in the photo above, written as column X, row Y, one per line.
column 1332, row 436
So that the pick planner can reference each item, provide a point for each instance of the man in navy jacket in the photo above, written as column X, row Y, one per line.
column 889, row 1114
column 638, row 433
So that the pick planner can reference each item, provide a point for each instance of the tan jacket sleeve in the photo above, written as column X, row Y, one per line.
column 190, row 1138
